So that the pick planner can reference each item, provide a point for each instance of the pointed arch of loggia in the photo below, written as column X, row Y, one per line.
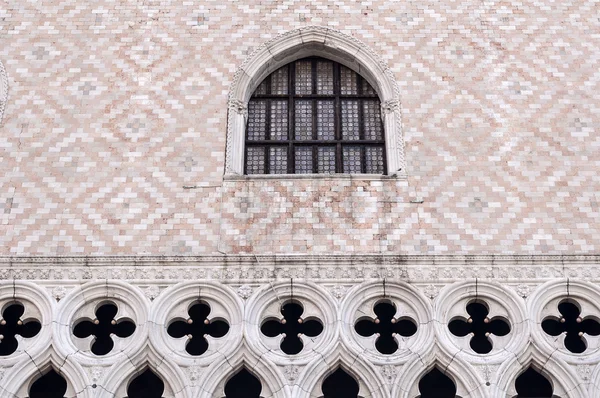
column 24, row 374
column 561, row 375
column 369, row 379
column 459, row 371
column 323, row 42
column 216, row 376
column 120, row 375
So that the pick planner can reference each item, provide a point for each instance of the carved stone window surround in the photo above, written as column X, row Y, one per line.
column 322, row 42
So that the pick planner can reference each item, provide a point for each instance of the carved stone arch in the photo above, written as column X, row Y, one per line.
column 589, row 375
column 323, row 42
column 37, row 303
column 464, row 376
column 215, row 377
column 370, row 381
column 502, row 302
column 3, row 90
column 409, row 302
column 83, row 301
column 120, row 375
column 562, row 377
column 543, row 303
column 266, row 303
column 25, row 373
column 175, row 302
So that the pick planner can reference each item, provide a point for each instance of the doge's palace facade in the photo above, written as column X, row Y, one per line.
column 299, row 199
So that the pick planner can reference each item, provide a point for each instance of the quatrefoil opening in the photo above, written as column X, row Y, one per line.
column 573, row 325
column 385, row 326
column 196, row 327
column 12, row 325
column 292, row 327
column 103, row 328
column 479, row 326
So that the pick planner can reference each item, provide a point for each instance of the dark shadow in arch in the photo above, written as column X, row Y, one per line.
column 435, row 384
column 146, row 385
column 50, row 385
column 532, row 384
column 340, row 384
column 243, row 385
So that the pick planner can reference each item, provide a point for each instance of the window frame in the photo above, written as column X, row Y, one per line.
column 337, row 97
column 330, row 44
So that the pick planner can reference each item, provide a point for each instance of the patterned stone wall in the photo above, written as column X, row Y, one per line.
column 113, row 136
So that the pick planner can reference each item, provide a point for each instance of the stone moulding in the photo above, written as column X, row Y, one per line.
column 251, row 268
column 3, row 90
column 314, row 41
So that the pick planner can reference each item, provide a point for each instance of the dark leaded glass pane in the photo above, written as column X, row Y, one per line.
column 255, row 160
column 352, row 161
column 372, row 120
column 257, row 120
column 374, row 159
column 279, row 120
column 303, row 77
column 348, row 81
column 326, row 159
column 325, row 120
column 367, row 89
column 304, row 159
column 262, row 88
column 278, row 160
column 350, row 124
column 304, row 121
column 279, row 81
column 325, row 78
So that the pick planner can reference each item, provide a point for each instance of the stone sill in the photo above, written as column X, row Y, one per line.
column 332, row 177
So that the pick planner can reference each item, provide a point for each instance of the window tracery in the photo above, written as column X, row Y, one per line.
column 281, row 375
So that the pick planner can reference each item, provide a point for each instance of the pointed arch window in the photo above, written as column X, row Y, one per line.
column 314, row 116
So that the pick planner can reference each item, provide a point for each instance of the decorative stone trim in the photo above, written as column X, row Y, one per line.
column 83, row 303
column 3, row 90
column 378, row 375
column 543, row 303
column 521, row 271
column 314, row 41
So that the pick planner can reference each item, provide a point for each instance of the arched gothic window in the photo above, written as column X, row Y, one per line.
column 314, row 116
